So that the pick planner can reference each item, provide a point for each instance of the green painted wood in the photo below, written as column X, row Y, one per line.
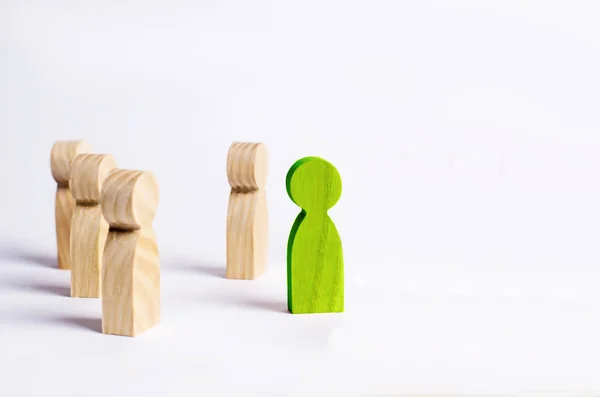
column 315, row 263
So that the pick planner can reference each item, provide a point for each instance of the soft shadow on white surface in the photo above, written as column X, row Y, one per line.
column 213, row 269
column 18, row 252
column 194, row 267
column 277, row 306
column 86, row 323
column 37, row 287
column 454, row 328
column 251, row 303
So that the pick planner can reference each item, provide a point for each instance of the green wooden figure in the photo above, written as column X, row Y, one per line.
column 315, row 263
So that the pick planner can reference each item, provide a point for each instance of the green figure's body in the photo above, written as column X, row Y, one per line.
column 315, row 263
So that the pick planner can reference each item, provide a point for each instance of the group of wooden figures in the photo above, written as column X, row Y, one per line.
column 105, row 236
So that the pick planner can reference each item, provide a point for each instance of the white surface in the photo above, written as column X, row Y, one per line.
column 420, row 331
column 466, row 134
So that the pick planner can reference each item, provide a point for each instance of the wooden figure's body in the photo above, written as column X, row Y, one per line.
column 247, row 220
column 315, row 263
column 131, row 264
column 89, row 229
column 61, row 157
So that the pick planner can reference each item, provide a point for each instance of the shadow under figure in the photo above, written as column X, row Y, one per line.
column 29, row 258
column 91, row 324
column 315, row 263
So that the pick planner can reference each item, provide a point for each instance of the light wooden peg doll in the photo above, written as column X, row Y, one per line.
column 89, row 229
column 131, row 264
column 247, row 221
column 61, row 157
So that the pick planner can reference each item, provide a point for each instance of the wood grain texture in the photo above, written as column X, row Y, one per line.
column 315, row 264
column 61, row 157
column 247, row 219
column 131, row 264
column 89, row 229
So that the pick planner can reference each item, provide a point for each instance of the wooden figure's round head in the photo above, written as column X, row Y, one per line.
column 247, row 166
column 129, row 199
column 61, row 157
column 88, row 172
column 314, row 184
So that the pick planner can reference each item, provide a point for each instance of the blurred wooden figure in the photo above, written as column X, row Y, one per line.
column 247, row 221
column 131, row 264
column 89, row 229
column 61, row 157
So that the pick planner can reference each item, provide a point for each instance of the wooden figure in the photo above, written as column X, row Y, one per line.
column 131, row 264
column 61, row 156
column 315, row 264
column 89, row 229
column 247, row 221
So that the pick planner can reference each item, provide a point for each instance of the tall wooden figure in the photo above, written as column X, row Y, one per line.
column 315, row 264
column 88, row 226
column 247, row 220
column 131, row 265
column 61, row 157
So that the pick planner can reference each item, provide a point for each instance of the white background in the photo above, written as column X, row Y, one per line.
column 467, row 136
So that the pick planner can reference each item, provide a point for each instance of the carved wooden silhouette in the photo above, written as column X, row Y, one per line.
column 247, row 221
column 89, row 229
column 315, row 263
column 131, row 265
column 61, row 157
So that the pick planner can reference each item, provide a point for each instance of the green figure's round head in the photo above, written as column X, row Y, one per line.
column 314, row 184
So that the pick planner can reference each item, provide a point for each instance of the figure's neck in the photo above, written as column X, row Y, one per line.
column 316, row 214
